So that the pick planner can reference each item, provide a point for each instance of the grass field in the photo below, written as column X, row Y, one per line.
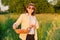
column 49, row 26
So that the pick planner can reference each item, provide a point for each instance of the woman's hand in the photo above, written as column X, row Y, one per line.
column 14, row 26
column 34, row 26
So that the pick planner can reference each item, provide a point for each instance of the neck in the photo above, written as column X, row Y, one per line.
column 29, row 14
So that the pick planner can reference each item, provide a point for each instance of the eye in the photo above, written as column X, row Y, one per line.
column 31, row 8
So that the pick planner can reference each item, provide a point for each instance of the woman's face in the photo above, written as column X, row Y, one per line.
column 30, row 9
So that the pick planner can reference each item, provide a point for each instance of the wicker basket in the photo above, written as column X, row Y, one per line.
column 21, row 31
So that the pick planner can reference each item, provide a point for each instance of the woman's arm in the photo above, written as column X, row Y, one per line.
column 37, row 24
column 17, row 23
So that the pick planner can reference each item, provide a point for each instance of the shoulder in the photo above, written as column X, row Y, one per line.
column 35, row 17
column 23, row 14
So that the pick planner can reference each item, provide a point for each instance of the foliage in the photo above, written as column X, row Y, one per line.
column 7, row 32
column 18, row 6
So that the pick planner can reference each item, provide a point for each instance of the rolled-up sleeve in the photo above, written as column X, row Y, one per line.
column 37, row 24
column 19, row 20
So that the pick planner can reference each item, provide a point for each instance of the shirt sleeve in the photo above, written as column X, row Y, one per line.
column 37, row 24
column 19, row 20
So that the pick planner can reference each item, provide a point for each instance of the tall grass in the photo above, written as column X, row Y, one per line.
column 47, row 29
column 6, row 30
column 42, row 31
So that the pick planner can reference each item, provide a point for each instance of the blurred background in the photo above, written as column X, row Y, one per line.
column 47, row 13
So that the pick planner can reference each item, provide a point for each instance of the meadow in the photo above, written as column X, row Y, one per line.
column 49, row 26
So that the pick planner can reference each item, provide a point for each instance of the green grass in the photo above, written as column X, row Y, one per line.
column 48, row 24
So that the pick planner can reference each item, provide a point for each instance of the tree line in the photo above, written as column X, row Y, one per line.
column 42, row 6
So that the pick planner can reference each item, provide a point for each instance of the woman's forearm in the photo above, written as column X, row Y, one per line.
column 14, row 26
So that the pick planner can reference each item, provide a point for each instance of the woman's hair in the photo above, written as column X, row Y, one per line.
column 30, row 4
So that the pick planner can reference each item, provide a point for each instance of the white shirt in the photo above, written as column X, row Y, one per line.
column 24, row 21
column 32, row 22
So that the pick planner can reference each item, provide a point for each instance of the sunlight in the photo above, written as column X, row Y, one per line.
column 53, row 2
column 2, row 7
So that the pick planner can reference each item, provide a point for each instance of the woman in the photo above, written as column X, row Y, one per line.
column 28, row 22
